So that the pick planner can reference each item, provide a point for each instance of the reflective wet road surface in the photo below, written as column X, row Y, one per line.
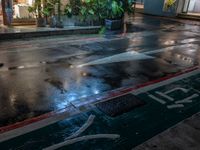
column 45, row 74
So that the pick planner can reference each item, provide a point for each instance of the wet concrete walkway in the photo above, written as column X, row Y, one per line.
column 48, row 74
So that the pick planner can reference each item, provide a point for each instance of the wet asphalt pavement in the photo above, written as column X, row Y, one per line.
column 45, row 74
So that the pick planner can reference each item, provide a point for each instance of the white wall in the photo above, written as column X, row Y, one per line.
column 180, row 6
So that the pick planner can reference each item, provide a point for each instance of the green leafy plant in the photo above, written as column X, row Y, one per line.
column 128, row 6
column 72, row 8
column 68, row 10
column 114, row 9
column 87, row 10
column 36, row 9
column 75, row 7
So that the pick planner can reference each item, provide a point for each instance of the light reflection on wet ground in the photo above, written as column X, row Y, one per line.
column 41, row 75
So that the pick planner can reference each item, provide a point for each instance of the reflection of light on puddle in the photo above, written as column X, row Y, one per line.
column 170, row 42
column 96, row 92
column 84, row 74
column 12, row 99
column 83, row 96
column 43, row 62
column 21, row 67
column 191, row 50
column 62, row 105
column 71, row 66
column 79, row 66
column 184, row 59
column 71, row 98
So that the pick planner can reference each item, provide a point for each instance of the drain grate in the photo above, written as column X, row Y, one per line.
column 120, row 105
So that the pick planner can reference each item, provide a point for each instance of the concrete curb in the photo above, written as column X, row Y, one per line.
column 31, row 34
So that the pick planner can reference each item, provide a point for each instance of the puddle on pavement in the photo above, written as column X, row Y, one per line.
column 57, row 84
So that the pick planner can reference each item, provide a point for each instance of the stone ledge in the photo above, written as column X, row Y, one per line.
column 51, row 32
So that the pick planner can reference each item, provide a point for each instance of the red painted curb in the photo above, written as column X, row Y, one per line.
column 109, row 95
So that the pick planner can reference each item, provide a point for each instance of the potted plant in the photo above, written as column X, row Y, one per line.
column 36, row 10
column 100, row 10
column 114, row 14
column 49, row 13
column 71, row 12
column 87, row 13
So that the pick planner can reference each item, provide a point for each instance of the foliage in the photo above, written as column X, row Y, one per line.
column 48, row 10
column 87, row 10
column 36, row 9
column 98, row 9
column 75, row 6
column 68, row 10
column 102, row 30
column 114, row 9
column 128, row 6
column 169, row 4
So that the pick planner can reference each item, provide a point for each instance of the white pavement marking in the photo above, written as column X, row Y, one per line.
column 165, row 96
column 170, row 48
column 175, row 106
column 176, row 89
column 133, row 55
column 83, row 128
column 165, row 82
column 190, row 40
column 157, row 99
column 188, row 99
column 69, row 111
column 83, row 138
column 127, row 56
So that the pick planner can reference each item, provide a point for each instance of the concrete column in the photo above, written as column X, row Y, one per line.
column 180, row 6
column 155, row 7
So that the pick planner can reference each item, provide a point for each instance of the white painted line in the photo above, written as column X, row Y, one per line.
column 176, row 89
column 83, row 138
column 83, row 128
column 165, row 82
column 195, row 90
column 190, row 40
column 157, row 99
column 175, row 106
column 133, row 55
column 188, row 99
column 127, row 56
column 165, row 96
column 170, row 48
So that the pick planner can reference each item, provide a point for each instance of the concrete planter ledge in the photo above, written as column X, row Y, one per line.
column 7, row 33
